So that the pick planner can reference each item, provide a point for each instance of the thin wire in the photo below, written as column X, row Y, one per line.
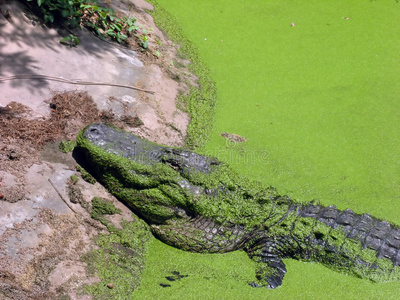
column 79, row 82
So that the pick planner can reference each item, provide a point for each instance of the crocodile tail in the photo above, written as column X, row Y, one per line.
column 365, row 245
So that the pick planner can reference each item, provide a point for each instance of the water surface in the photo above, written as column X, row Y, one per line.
column 314, row 87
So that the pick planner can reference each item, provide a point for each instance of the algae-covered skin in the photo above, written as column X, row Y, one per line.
column 196, row 203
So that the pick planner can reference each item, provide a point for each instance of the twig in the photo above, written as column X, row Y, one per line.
column 79, row 82
column 91, row 222
column 62, row 197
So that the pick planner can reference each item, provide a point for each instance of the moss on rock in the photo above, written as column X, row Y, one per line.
column 86, row 175
column 101, row 207
column 67, row 146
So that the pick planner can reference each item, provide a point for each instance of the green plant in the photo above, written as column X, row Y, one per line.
column 67, row 146
column 101, row 20
column 71, row 40
column 55, row 10
column 101, row 207
column 74, row 179
column 144, row 40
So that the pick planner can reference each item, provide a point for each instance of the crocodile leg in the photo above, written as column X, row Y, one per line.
column 271, row 268
column 270, row 274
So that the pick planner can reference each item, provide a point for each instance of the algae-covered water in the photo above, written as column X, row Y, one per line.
column 314, row 87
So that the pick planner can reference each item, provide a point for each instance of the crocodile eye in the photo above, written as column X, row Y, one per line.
column 319, row 235
column 173, row 164
column 176, row 168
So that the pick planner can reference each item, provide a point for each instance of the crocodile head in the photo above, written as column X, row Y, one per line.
column 151, row 179
column 172, row 187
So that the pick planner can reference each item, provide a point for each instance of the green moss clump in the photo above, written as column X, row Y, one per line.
column 120, row 260
column 101, row 207
column 282, row 228
column 67, row 146
column 104, row 207
column 75, row 195
column 74, row 179
column 368, row 255
column 86, row 175
column 303, row 228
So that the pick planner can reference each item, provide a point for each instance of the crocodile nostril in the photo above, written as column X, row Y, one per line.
column 94, row 130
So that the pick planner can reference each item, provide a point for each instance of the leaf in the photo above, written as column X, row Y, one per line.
column 64, row 40
column 49, row 18
column 103, row 14
column 118, row 26
column 133, row 28
column 91, row 25
column 76, row 40
column 111, row 33
column 100, row 34
column 71, row 40
column 65, row 13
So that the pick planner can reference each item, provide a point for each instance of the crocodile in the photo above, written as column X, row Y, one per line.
column 197, row 203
